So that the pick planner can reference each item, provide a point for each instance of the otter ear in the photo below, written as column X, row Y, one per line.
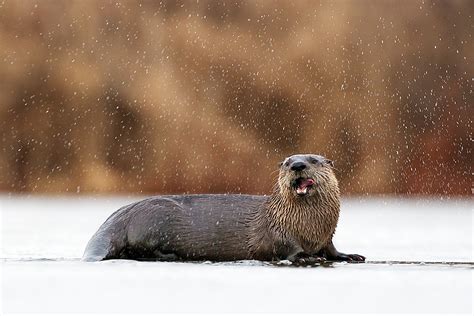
column 329, row 162
column 280, row 164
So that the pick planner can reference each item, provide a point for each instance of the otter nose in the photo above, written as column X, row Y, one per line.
column 298, row 166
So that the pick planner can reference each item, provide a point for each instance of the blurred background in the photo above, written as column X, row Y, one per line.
column 208, row 96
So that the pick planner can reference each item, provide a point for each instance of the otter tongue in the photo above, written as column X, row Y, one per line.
column 303, row 186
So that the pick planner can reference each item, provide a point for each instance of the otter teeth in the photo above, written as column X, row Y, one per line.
column 302, row 191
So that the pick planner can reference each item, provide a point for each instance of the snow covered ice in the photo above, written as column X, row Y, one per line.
column 44, row 237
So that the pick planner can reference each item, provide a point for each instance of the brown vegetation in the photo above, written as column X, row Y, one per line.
column 207, row 96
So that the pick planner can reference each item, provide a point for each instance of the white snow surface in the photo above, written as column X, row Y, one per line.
column 42, row 239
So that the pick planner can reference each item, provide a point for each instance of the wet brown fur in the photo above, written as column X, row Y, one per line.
column 309, row 221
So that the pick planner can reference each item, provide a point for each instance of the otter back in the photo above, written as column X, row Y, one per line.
column 186, row 227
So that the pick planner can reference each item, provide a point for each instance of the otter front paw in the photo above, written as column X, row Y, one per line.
column 304, row 259
column 349, row 257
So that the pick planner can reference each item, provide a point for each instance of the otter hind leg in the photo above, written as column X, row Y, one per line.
column 147, row 254
column 161, row 256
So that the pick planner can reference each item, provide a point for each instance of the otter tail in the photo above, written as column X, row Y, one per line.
column 99, row 247
column 109, row 241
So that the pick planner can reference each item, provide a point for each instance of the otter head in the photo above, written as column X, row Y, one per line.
column 302, row 175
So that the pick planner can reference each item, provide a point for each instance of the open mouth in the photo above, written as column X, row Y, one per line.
column 302, row 185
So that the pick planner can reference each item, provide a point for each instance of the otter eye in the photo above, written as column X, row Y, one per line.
column 313, row 160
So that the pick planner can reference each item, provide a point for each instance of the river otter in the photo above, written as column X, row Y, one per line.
column 296, row 222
